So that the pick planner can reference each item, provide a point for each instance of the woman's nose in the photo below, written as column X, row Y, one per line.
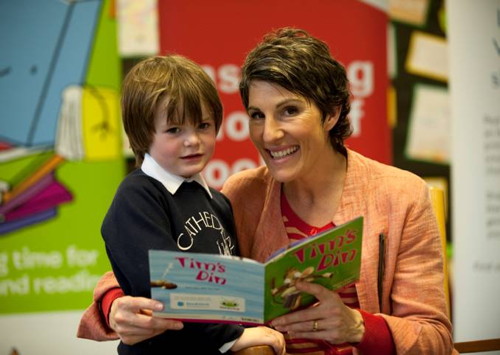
column 272, row 130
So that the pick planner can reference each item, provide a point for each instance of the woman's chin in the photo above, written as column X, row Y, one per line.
column 281, row 175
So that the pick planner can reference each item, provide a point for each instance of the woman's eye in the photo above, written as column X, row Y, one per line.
column 256, row 115
column 290, row 110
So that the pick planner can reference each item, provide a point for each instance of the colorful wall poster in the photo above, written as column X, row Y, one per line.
column 60, row 163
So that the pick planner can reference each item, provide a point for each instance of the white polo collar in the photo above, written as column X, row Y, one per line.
column 171, row 182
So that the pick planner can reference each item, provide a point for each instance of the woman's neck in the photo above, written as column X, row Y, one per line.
column 316, row 197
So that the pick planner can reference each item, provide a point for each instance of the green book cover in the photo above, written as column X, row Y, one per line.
column 216, row 288
column 331, row 258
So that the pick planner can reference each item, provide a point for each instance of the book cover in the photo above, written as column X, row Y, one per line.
column 216, row 288
column 10, row 226
column 50, row 197
column 26, row 195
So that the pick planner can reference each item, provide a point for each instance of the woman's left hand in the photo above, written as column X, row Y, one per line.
column 329, row 319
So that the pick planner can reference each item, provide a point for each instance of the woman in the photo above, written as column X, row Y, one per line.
column 297, row 98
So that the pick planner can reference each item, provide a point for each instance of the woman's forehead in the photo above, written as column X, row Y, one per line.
column 265, row 92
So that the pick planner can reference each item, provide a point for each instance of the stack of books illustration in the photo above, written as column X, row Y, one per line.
column 35, row 198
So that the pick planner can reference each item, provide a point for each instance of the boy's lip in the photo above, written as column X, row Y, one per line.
column 192, row 156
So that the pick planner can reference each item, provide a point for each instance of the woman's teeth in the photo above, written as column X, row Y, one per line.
column 283, row 153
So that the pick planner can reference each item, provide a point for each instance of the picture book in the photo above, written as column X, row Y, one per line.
column 217, row 288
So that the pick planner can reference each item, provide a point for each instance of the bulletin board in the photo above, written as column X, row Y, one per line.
column 419, row 108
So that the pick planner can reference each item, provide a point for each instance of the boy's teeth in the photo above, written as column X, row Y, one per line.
column 283, row 153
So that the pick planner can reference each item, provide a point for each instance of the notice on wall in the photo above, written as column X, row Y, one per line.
column 474, row 41
column 491, row 156
column 429, row 131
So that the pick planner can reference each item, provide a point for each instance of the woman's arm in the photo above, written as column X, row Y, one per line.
column 130, row 317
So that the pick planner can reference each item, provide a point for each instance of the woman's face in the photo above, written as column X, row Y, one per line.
column 287, row 130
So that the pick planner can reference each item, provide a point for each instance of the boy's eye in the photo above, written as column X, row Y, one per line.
column 205, row 125
column 173, row 130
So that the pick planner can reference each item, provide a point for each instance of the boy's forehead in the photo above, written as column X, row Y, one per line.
column 178, row 111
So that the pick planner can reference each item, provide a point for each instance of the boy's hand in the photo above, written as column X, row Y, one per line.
column 261, row 336
column 131, row 318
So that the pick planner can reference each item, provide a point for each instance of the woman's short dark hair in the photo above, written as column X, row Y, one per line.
column 302, row 64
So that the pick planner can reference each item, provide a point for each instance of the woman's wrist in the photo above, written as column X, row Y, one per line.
column 357, row 330
column 107, row 300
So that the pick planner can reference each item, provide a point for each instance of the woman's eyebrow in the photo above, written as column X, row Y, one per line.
column 284, row 102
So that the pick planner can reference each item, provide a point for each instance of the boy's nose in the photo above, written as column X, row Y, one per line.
column 191, row 139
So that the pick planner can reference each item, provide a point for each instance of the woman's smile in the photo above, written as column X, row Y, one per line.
column 277, row 153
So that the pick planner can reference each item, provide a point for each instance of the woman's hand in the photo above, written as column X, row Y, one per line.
column 261, row 336
column 329, row 319
column 131, row 318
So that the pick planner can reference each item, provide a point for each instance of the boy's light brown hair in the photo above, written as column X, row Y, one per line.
column 185, row 83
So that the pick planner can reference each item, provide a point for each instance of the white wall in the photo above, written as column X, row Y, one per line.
column 474, row 42
column 51, row 333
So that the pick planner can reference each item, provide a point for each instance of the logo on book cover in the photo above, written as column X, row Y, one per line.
column 230, row 303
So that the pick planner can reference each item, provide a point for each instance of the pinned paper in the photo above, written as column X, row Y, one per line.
column 429, row 127
column 409, row 11
column 138, row 30
column 428, row 56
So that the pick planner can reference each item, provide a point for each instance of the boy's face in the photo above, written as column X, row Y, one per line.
column 183, row 150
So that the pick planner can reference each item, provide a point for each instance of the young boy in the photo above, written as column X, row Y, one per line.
column 171, row 114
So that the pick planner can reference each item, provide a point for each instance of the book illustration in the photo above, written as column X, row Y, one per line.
column 163, row 284
column 54, row 55
column 10, row 226
column 89, row 124
column 51, row 196
column 287, row 294
column 26, row 195
column 38, row 174
column 216, row 288
column 34, row 198
column 57, row 107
